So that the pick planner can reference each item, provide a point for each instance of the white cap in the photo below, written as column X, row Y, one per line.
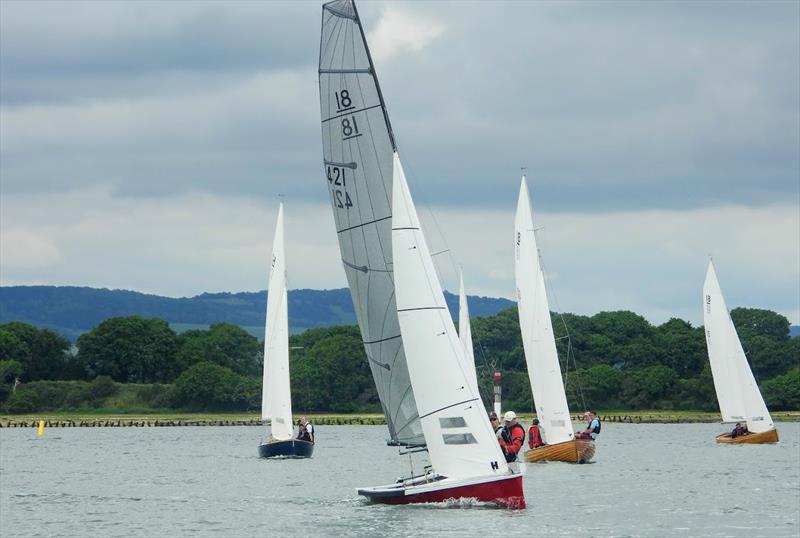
column 509, row 416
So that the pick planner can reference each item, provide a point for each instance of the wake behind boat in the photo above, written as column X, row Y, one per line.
column 539, row 345
column 740, row 401
column 276, row 399
column 410, row 341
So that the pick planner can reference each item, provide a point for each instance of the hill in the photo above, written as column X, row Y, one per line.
column 72, row 311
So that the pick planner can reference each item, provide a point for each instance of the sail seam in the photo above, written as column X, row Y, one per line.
column 351, row 112
column 381, row 340
column 363, row 224
column 421, row 308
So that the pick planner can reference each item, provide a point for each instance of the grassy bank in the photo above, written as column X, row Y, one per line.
column 107, row 418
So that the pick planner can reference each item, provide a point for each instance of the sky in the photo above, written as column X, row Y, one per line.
column 146, row 145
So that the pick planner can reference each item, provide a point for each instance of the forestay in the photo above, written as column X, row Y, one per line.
column 458, row 435
column 357, row 145
column 276, row 403
column 536, row 327
column 737, row 391
column 465, row 335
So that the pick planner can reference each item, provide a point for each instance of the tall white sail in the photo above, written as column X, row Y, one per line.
column 465, row 334
column 536, row 327
column 737, row 390
column 276, row 398
column 357, row 146
column 458, row 435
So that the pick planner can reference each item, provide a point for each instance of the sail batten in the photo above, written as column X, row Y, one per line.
column 738, row 395
column 357, row 154
column 541, row 356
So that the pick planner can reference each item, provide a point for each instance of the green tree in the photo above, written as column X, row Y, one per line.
column 130, row 350
column 755, row 321
column 783, row 392
column 331, row 372
column 649, row 387
column 207, row 386
column 224, row 344
column 41, row 352
column 683, row 347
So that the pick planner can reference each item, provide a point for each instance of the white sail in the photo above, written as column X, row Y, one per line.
column 357, row 146
column 465, row 334
column 536, row 327
column 737, row 390
column 276, row 398
column 460, row 440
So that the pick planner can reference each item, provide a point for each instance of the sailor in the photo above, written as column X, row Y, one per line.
column 738, row 430
column 496, row 426
column 512, row 436
column 535, row 435
column 592, row 427
column 306, row 431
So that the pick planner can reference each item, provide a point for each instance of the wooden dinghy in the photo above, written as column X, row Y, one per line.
column 740, row 400
column 574, row 451
column 769, row 436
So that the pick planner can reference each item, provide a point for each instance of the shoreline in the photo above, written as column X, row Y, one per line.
column 121, row 420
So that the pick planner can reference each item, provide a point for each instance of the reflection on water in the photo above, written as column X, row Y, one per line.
column 648, row 480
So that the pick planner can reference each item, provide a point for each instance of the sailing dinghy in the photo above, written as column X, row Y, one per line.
column 539, row 345
column 276, row 398
column 409, row 337
column 737, row 390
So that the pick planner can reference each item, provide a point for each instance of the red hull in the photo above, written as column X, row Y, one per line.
column 506, row 493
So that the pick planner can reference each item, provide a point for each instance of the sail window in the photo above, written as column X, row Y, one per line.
column 459, row 439
column 452, row 422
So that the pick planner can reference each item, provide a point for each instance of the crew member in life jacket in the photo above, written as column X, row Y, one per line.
column 496, row 426
column 306, row 432
column 592, row 427
column 512, row 437
column 535, row 435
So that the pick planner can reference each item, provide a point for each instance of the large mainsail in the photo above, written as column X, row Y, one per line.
column 536, row 327
column 357, row 146
column 458, row 435
column 465, row 334
column 737, row 391
column 276, row 399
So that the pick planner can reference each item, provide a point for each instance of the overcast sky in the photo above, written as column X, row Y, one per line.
column 143, row 145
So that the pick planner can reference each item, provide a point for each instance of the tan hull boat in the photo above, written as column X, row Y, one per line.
column 574, row 451
column 770, row 436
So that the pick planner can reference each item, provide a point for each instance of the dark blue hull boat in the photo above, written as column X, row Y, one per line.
column 291, row 448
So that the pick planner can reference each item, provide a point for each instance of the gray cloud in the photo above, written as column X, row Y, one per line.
column 633, row 118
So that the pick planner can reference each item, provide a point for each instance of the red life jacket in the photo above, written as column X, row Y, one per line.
column 534, row 437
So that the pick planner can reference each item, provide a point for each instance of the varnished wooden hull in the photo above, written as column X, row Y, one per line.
column 574, row 451
column 770, row 436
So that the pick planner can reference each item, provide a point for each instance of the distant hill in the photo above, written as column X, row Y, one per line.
column 72, row 311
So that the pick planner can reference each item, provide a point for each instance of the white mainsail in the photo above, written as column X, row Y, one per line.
column 536, row 327
column 276, row 398
column 357, row 146
column 465, row 334
column 737, row 390
column 460, row 440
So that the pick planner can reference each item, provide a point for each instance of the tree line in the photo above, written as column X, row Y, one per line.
column 612, row 360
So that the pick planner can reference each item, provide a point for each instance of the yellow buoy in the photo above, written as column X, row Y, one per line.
column 41, row 428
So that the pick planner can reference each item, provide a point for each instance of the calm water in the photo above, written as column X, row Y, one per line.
column 649, row 480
